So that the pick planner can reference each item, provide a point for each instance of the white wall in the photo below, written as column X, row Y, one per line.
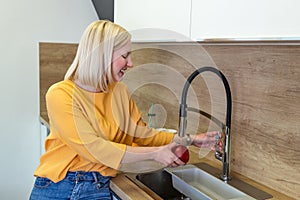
column 22, row 25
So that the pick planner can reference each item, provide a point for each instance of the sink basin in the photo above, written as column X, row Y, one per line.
column 198, row 184
column 159, row 182
column 201, row 178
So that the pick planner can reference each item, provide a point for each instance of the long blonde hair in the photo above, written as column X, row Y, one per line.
column 92, row 63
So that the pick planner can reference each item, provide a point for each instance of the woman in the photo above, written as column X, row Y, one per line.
column 94, row 122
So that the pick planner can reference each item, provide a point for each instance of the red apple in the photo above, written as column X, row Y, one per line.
column 182, row 153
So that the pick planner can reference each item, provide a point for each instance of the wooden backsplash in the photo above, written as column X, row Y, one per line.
column 265, row 84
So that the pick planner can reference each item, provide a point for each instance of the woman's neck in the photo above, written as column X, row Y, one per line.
column 86, row 87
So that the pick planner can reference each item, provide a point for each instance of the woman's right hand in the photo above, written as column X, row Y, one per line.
column 161, row 154
column 165, row 155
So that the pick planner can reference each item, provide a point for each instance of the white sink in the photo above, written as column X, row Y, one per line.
column 198, row 184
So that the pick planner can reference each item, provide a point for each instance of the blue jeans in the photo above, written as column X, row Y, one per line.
column 76, row 185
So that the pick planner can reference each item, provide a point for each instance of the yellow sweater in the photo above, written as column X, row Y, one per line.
column 89, row 131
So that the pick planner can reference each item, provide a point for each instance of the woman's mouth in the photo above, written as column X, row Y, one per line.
column 122, row 71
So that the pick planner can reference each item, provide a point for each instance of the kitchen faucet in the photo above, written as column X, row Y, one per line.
column 223, row 155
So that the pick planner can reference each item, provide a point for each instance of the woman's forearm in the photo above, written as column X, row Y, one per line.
column 135, row 154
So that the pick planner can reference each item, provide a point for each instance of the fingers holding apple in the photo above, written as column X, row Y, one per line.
column 181, row 152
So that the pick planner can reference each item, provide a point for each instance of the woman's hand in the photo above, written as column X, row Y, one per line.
column 161, row 154
column 165, row 156
column 207, row 140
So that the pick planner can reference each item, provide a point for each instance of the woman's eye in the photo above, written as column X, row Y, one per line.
column 125, row 56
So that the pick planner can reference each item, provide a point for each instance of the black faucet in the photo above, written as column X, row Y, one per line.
column 223, row 156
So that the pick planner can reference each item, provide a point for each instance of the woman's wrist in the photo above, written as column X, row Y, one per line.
column 192, row 138
column 186, row 140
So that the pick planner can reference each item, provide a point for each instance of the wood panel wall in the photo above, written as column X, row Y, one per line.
column 54, row 60
column 265, row 84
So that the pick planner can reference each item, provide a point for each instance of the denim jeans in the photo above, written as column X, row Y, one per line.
column 76, row 185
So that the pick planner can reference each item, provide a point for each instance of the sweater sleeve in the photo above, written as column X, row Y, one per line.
column 74, row 129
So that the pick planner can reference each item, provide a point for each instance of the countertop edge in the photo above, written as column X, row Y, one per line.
column 126, row 189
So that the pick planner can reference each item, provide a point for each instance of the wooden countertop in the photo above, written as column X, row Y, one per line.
column 127, row 189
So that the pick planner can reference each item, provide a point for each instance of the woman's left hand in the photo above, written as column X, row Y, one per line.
column 207, row 140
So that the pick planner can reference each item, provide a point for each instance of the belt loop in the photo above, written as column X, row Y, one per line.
column 77, row 177
column 95, row 177
column 96, row 180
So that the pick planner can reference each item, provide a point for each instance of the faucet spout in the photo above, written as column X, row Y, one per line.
column 223, row 156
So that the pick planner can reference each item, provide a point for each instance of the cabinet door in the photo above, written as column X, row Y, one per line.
column 252, row 19
column 155, row 20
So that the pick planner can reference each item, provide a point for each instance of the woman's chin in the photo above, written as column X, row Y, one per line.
column 118, row 79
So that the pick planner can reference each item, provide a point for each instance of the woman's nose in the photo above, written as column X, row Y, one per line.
column 129, row 61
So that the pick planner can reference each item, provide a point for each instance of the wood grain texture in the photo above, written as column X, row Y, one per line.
column 265, row 84
column 266, row 112
column 127, row 190
column 54, row 60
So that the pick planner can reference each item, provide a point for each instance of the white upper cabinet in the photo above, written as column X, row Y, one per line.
column 184, row 20
column 155, row 20
column 252, row 19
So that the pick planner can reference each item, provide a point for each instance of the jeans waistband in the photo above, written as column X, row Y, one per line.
column 87, row 176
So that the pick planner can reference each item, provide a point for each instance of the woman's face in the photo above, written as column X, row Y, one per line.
column 121, row 60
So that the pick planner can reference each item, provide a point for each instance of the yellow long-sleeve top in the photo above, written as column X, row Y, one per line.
column 89, row 131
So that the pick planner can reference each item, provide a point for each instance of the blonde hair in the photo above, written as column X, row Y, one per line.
column 92, row 63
